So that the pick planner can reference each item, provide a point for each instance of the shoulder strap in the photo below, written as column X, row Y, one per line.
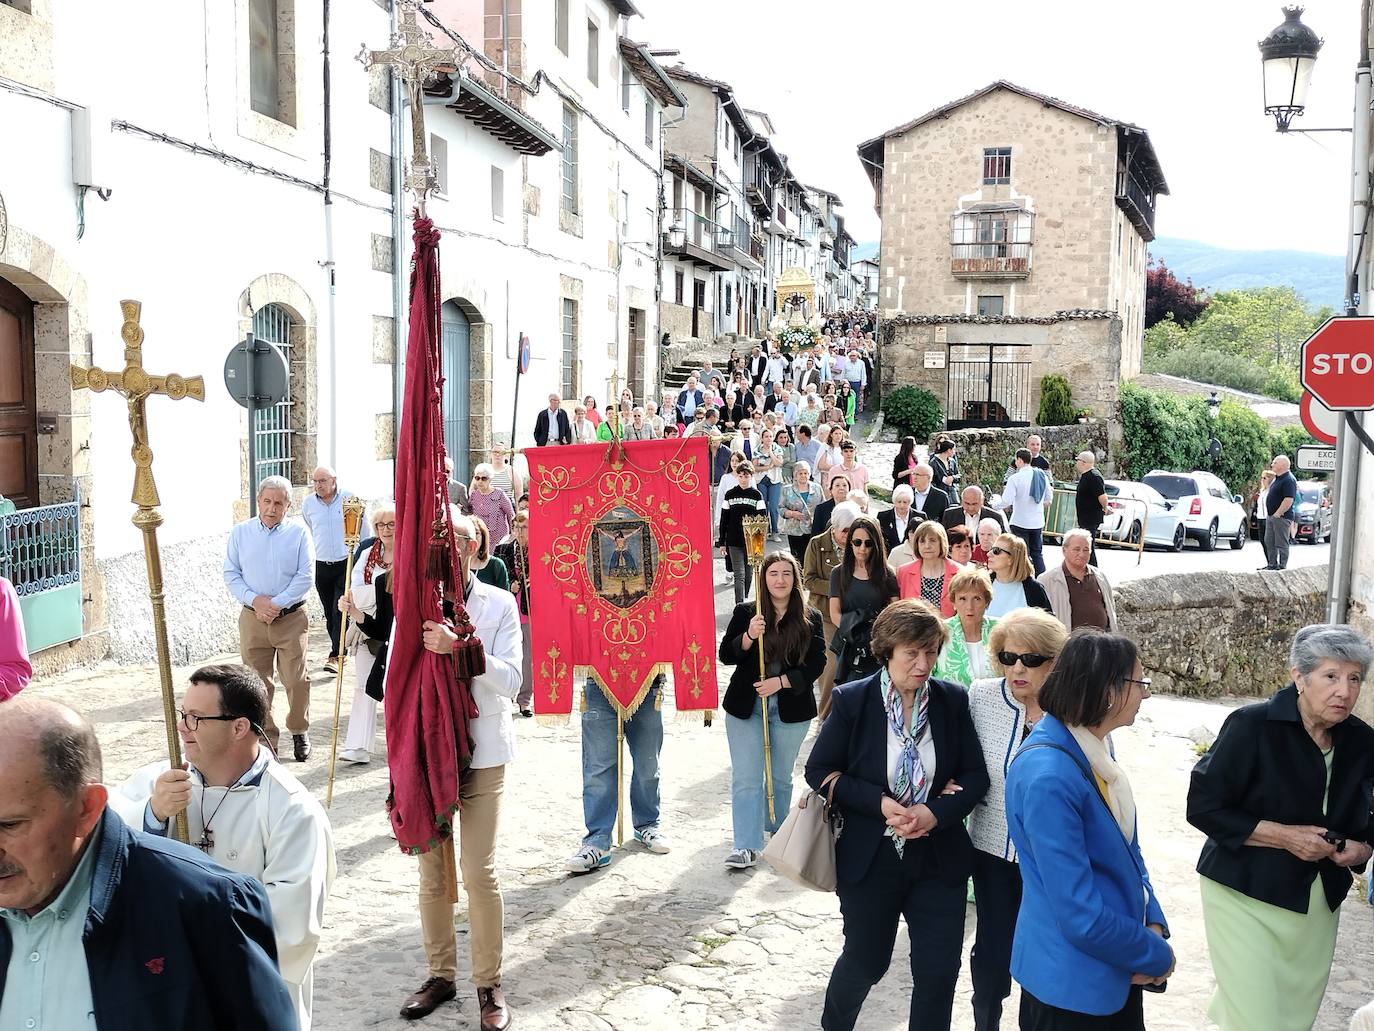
column 1092, row 783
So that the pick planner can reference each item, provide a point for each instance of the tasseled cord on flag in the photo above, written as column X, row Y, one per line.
column 442, row 568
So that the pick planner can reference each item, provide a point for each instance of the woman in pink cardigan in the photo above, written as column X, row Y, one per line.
column 15, row 670
column 928, row 578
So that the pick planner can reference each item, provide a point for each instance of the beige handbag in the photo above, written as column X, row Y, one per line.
column 803, row 848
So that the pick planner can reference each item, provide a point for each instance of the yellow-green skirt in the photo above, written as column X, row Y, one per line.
column 1271, row 964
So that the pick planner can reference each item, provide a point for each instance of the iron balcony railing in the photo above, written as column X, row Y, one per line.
column 40, row 553
column 699, row 231
column 1137, row 202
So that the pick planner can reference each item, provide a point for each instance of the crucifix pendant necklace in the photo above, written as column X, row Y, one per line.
column 207, row 836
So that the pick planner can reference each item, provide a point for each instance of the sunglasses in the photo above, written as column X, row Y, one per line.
column 994, row 550
column 1029, row 659
column 861, row 542
column 481, row 477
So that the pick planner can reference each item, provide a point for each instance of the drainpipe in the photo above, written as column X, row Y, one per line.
column 1348, row 448
column 398, row 321
column 328, row 263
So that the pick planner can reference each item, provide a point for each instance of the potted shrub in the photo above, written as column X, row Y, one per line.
column 1083, row 415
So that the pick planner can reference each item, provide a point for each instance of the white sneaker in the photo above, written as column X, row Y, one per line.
column 654, row 840
column 742, row 859
column 587, row 859
column 356, row 755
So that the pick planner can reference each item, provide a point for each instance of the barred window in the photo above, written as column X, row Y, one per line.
column 996, row 166
column 273, row 324
column 569, row 159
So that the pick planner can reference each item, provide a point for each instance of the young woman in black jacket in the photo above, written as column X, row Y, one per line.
column 794, row 657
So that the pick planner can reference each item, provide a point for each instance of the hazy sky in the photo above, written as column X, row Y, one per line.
column 832, row 74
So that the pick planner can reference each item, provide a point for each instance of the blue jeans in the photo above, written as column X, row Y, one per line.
column 644, row 736
column 748, row 789
column 772, row 494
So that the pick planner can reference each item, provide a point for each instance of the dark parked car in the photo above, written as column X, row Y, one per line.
column 1314, row 513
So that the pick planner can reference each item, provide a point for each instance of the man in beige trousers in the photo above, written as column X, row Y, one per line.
column 269, row 568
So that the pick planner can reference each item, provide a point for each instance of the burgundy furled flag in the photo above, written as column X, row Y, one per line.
column 429, row 706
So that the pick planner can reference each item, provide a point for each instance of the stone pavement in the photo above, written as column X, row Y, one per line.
column 671, row 941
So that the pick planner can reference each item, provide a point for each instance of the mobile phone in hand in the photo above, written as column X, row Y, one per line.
column 1158, row 989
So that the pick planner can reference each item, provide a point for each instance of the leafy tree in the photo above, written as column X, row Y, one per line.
column 913, row 411
column 1267, row 324
column 1172, row 431
column 1244, row 437
column 1056, row 401
column 1164, row 337
column 1165, row 296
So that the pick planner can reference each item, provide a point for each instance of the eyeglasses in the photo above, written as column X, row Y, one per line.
column 1028, row 659
column 861, row 542
column 193, row 721
column 994, row 550
column 479, row 478
column 385, row 526
column 1145, row 682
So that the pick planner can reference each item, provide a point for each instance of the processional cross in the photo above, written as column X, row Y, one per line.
column 414, row 57
column 135, row 385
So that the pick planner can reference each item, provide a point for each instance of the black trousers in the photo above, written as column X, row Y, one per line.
column 1035, row 546
column 934, row 912
column 997, row 887
column 1039, row 1016
column 329, row 585
column 797, row 545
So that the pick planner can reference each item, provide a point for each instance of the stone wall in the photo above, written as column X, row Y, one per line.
column 984, row 455
column 1209, row 634
column 1083, row 347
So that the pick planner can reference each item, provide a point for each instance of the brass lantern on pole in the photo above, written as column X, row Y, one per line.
column 755, row 540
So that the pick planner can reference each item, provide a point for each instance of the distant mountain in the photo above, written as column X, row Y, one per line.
column 1320, row 278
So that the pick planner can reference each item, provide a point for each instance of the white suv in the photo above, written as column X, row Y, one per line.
column 1205, row 507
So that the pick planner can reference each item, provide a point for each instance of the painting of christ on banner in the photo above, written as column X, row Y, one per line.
column 620, row 572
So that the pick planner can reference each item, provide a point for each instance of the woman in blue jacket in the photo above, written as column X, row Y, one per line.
column 900, row 740
column 1090, row 934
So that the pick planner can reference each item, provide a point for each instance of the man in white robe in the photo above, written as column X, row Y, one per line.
column 245, row 811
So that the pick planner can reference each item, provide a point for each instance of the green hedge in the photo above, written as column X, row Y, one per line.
column 913, row 411
column 1205, row 365
column 1171, row 431
column 1056, row 401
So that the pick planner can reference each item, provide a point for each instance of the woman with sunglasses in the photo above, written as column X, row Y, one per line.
column 1022, row 648
column 1013, row 582
column 368, row 604
column 490, row 505
column 894, row 739
column 794, row 657
column 860, row 588
column 1090, row 934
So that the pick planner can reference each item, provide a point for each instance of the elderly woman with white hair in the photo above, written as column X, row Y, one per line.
column 823, row 556
column 494, row 507
column 1283, row 797
column 370, row 630
column 895, row 521
column 797, row 508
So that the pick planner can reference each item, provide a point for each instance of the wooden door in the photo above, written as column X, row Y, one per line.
column 18, row 399
column 698, row 305
column 637, row 356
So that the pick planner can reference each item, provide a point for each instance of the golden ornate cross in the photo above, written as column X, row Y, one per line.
column 135, row 386
column 414, row 57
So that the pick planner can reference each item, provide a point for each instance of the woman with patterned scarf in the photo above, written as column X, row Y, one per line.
column 907, row 769
column 371, row 562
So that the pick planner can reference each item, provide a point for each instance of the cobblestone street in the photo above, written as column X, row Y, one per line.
column 672, row 941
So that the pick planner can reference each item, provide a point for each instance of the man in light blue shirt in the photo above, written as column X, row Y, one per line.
column 269, row 568
column 322, row 511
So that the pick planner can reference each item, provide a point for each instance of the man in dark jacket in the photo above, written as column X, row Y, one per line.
column 162, row 937
column 552, row 426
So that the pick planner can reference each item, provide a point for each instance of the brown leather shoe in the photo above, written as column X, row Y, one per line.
column 495, row 1013
column 431, row 995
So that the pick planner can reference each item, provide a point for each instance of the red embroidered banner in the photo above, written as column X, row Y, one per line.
column 620, row 572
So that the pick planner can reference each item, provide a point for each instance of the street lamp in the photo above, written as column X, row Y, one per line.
column 677, row 234
column 1288, row 54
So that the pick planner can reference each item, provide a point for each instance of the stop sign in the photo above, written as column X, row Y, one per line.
column 1338, row 364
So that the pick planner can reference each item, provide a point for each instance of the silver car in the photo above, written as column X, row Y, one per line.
column 1137, row 508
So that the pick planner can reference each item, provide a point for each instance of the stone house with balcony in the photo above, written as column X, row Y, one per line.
column 1014, row 236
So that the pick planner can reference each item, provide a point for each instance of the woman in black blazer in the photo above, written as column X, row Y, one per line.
column 911, row 770
column 1283, row 796
column 794, row 658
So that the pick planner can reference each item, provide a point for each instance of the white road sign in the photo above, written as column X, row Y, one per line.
column 1316, row 459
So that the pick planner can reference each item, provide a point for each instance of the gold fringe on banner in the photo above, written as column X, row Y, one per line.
column 626, row 711
column 546, row 719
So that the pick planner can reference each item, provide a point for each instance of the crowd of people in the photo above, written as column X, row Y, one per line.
column 963, row 697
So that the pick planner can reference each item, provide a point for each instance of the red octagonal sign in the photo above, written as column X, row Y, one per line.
column 1338, row 364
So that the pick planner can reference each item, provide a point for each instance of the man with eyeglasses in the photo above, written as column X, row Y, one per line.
column 101, row 927
column 1079, row 592
column 322, row 511
column 245, row 811
column 268, row 567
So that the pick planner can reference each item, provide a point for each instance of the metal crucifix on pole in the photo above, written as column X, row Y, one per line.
column 414, row 57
